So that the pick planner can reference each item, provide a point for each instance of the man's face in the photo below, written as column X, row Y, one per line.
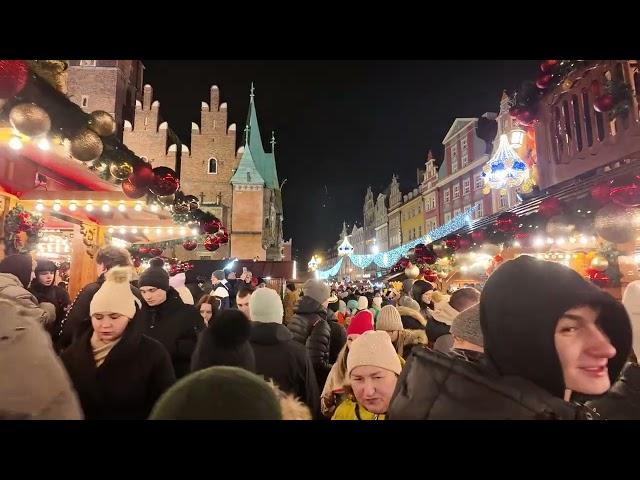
column 243, row 305
column 584, row 351
column 373, row 387
column 232, row 275
column 214, row 281
column 153, row 296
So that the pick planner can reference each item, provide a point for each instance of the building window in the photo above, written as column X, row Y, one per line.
column 454, row 158
column 456, row 191
column 466, row 186
column 87, row 63
column 447, row 196
column 85, row 101
column 504, row 201
column 456, row 212
column 478, row 181
column 464, row 152
column 213, row 166
column 447, row 217
column 479, row 212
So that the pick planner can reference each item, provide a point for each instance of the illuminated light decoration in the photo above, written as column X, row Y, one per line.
column 183, row 231
column 134, row 230
column 43, row 144
column 517, row 244
column 345, row 247
column 538, row 242
column 106, row 207
column 146, row 230
column 505, row 169
column 15, row 143
column 154, row 208
column 158, row 231
column 560, row 241
column 138, row 207
column 73, row 206
column 572, row 240
column 122, row 207
column 583, row 240
column 39, row 206
column 550, row 241
column 323, row 275
column 295, row 270
column 57, row 206
column 89, row 206
column 123, row 230
column 170, row 231
column 517, row 137
column 194, row 231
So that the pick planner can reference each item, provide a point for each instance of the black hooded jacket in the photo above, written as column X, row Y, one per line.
column 56, row 295
column 520, row 376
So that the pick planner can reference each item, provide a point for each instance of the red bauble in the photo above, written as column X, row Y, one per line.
column 420, row 250
column 626, row 192
column 527, row 116
column 172, row 261
column 550, row 207
column 189, row 245
column 498, row 259
column 465, row 242
column 548, row 65
column 142, row 176
column 13, row 77
column 600, row 193
column 223, row 240
column 428, row 258
column 404, row 263
column 165, row 182
column 604, row 103
column 544, row 81
column 131, row 191
column 453, row 242
column 478, row 236
column 210, row 226
column 429, row 275
column 601, row 279
column 155, row 252
column 507, row 222
column 595, row 88
column 211, row 243
column 144, row 250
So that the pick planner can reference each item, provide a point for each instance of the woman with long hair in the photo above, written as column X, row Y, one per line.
column 208, row 306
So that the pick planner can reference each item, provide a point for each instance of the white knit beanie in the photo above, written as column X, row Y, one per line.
column 363, row 303
column 373, row 349
column 377, row 301
column 389, row 319
column 115, row 294
column 265, row 306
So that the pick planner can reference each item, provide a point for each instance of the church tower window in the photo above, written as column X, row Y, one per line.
column 213, row 166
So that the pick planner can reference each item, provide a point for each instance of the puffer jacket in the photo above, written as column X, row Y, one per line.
column 622, row 401
column 412, row 319
column 11, row 287
column 310, row 327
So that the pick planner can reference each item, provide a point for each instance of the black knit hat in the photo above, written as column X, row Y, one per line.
column 155, row 275
column 45, row 265
column 20, row 265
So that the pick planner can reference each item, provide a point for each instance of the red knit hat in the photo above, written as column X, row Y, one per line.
column 360, row 323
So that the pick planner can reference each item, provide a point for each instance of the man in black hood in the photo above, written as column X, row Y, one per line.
column 547, row 334
column 43, row 288
column 166, row 318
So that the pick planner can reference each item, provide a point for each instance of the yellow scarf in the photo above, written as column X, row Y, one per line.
column 101, row 349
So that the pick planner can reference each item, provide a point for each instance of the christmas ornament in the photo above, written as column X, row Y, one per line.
column 144, row 250
column 131, row 191
column 507, row 222
column 86, row 146
column 550, row 207
column 429, row 275
column 412, row 272
column 13, row 77
column 192, row 201
column 142, row 175
column 566, row 85
column 180, row 205
column 165, row 181
column 616, row 223
column 601, row 279
column 155, row 252
column 505, row 168
column 603, row 103
column 102, row 123
column 404, row 263
column 599, row 263
column 210, row 226
column 452, row 242
column 544, row 81
column 210, row 243
column 189, row 245
column 121, row 170
column 549, row 65
column 29, row 119
column 626, row 191
column 166, row 200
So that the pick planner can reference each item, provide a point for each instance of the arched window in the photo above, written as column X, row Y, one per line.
column 213, row 166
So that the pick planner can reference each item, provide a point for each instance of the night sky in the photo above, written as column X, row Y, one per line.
column 340, row 125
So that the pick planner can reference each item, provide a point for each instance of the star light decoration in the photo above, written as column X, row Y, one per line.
column 505, row 169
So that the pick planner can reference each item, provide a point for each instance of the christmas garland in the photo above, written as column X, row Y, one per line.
column 22, row 230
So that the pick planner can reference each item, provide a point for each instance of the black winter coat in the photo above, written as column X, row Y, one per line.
column 78, row 319
column 286, row 361
column 338, row 337
column 175, row 325
column 437, row 386
column 136, row 372
column 310, row 327
column 56, row 295
column 622, row 401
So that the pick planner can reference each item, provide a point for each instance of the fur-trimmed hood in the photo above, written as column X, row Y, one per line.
column 292, row 408
column 409, row 312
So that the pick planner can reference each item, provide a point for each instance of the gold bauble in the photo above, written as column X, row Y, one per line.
column 566, row 85
column 412, row 272
column 86, row 146
column 121, row 170
column 599, row 263
column 102, row 123
column 616, row 223
column 29, row 119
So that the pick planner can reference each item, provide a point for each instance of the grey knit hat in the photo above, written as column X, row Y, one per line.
column 409, row 302
column 219, row 274
column 466, row 325
column 317, row 290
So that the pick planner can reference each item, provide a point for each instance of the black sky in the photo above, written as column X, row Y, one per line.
column 340, row 125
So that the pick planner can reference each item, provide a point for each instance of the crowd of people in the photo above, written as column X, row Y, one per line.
column 538, row 342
